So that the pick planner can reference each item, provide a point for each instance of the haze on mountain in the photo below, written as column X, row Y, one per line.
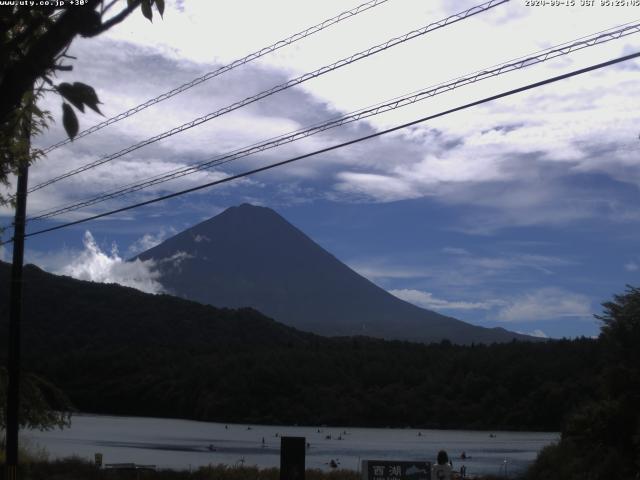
column 250, row 256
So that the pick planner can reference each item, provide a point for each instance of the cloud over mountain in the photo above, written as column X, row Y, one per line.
column 96, row 265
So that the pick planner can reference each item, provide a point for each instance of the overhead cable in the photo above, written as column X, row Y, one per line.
column 398, row 102
column 225, row 68
column 295, row 81
column 341, row 145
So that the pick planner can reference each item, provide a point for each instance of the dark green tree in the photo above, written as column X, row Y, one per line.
column 42, row 404
column 602, row 439
column 621, row 379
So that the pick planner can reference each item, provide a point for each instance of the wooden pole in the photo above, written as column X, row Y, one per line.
column 15, row 316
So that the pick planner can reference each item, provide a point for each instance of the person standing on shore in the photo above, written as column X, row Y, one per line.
column 442, row 469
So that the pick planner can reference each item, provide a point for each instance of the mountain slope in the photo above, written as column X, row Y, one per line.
column 64, row 311
column 252, row 257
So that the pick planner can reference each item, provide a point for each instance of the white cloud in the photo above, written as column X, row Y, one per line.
column 538, row 333
column 631, row 266
column 382, row 188
column 542, row 263
column 376, row 269
column 461, row 267
column 201, row 238
column 451, row 158
column 427, row 300
column 535, row 333
column 149, row 240
column 521, row 159
column 549, row 303
column 95, row 265
column 102, row 179
column 455, row 251
column 175, row 260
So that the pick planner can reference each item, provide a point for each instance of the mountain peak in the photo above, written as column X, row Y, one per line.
column 250, row 256
column 245, row 211
column 245, row 223
column 249, row 207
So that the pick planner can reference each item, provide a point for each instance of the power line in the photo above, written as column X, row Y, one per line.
column 295, row 81
column 236, row 63
column 341, row 145
column 398, row 102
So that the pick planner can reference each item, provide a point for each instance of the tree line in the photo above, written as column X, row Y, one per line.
column 115, row 350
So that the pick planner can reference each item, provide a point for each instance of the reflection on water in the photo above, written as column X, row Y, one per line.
column 184, row 444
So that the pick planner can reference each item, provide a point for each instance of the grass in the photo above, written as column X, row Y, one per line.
column 27, row 453
column 74, row 468
column 35, row 465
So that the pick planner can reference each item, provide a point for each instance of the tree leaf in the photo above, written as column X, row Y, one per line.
column 160, row 6
column 87, row 95
column 70, row 93
column 80, row 94
column 69, row 120
column 145, row 6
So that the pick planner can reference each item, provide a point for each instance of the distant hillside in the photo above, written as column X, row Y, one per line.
column 252, row 257
column 116, row 350
column 108, row 315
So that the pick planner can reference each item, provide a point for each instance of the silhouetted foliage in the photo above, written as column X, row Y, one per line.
column 42, row 405
column 601, row 440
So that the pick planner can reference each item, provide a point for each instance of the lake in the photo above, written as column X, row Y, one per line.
column 184, row 444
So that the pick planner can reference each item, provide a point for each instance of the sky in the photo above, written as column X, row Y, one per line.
column 520, row 213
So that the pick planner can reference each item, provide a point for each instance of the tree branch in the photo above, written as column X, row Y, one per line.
column 108, row 7
column 115, row 19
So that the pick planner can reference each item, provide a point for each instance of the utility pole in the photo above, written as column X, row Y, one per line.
column 15, row 312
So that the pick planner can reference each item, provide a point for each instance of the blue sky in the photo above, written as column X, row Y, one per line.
column 522, row 213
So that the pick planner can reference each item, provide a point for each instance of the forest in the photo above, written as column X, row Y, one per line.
column 354, row 382
column 115, row 350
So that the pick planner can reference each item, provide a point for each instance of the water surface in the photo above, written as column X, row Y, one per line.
column 185, row 444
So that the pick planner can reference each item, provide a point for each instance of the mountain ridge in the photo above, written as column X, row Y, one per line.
column 250, row 256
